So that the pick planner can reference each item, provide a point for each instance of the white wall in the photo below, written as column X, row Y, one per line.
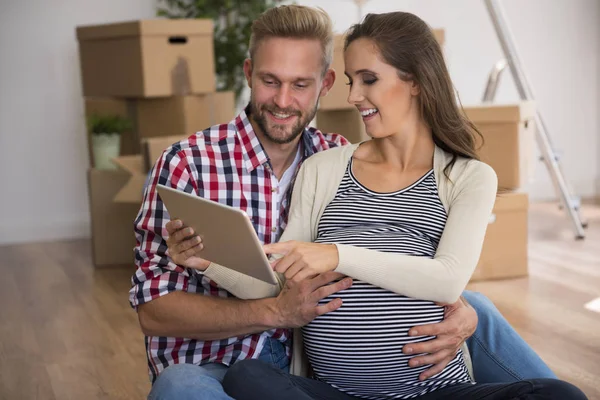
column 598, row 115
column 558, row 43
column 43, row 156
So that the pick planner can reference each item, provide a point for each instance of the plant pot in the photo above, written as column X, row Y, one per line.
column 105, row 147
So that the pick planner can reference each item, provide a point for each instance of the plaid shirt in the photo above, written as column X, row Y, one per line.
column 225, row 163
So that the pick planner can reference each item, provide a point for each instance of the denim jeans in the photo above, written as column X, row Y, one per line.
column 498, row 353
column 257, row 380
column 189, row 381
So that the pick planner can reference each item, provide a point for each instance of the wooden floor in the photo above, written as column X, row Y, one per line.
column 67, row 331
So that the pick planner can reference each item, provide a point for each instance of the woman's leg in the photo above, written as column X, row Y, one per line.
column 258, row 380
column 497, row 351
column 533, row 389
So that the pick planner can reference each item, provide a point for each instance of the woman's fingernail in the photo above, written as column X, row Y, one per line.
column 414, row 333
column 409, row 350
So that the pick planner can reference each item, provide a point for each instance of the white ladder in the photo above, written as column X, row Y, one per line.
column 569, row 202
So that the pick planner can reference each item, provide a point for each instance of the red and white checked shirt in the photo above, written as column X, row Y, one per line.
column 225, row 163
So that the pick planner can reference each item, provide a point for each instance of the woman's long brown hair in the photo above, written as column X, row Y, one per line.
column 407, row 43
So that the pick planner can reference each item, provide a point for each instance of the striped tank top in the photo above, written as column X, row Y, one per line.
column 358, row 348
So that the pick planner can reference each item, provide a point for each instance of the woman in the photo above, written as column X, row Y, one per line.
column 404, row 214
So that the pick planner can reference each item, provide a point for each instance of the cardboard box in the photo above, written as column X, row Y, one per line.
column 337, row 97
column 113, row 237
column 347, row 123
column 147, row 58
column 508, row 140
column 504, row 253
column 183, row 115
column 173, row 117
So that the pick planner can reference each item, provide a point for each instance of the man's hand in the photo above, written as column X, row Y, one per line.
column 298, row 302
column 184, row 245
column 303, row 260
column 460, row 322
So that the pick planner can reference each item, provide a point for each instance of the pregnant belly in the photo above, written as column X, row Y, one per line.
column 359, row 346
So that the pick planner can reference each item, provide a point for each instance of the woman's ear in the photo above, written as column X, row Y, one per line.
column 415, row 89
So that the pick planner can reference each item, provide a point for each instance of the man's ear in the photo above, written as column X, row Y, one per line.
column 328, row 80
column 248, row 71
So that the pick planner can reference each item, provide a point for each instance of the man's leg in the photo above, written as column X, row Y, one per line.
column 497, row 351
column 189, row 381
column 258, row 380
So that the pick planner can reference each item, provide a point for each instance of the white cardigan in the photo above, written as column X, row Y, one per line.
column 468, row 196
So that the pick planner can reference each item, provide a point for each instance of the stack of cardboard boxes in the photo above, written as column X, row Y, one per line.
column 508, row 133
column 161, row 75
column 508, row 147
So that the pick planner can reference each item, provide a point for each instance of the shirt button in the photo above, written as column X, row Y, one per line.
column 273, row 189
column 273, row 229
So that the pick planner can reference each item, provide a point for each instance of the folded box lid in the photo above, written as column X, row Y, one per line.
column 486, row 113
column 146, row 27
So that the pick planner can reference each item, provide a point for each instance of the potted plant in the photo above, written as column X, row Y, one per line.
column 106, row 131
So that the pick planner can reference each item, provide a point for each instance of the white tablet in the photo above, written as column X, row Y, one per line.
column 227, row 234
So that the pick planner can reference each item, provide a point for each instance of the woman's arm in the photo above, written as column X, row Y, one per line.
column 444, row 277
column 441, row 279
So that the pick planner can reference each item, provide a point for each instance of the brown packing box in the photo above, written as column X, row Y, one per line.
column 183, row 115
column 147, row 58
column 504, row 253
column 337, row 97
column 508, row 140
column 347, row 123
column 113, row 237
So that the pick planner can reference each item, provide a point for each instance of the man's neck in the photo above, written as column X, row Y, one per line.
column 281, row 156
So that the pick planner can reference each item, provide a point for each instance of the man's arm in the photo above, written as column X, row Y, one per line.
column 189, row 315
column 460, row 322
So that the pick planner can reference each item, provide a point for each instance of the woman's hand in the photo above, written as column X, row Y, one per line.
column 302, row 259
column 184, row 246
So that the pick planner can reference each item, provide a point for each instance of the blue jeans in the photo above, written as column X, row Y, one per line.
column 189, row 381
column 498, row 353
column 258, row 380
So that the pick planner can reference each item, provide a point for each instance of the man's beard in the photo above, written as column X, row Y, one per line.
column 296, row 130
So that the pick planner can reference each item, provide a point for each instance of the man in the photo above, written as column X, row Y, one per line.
column 194, row 329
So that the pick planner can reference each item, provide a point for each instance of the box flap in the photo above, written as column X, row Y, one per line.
column 148, row 27
column 511, row 201
column 132, row 164
column 486, row 113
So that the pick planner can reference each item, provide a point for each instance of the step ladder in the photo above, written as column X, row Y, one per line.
column 569, row 202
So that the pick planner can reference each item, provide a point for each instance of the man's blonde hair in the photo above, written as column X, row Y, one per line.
column 295, row 22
